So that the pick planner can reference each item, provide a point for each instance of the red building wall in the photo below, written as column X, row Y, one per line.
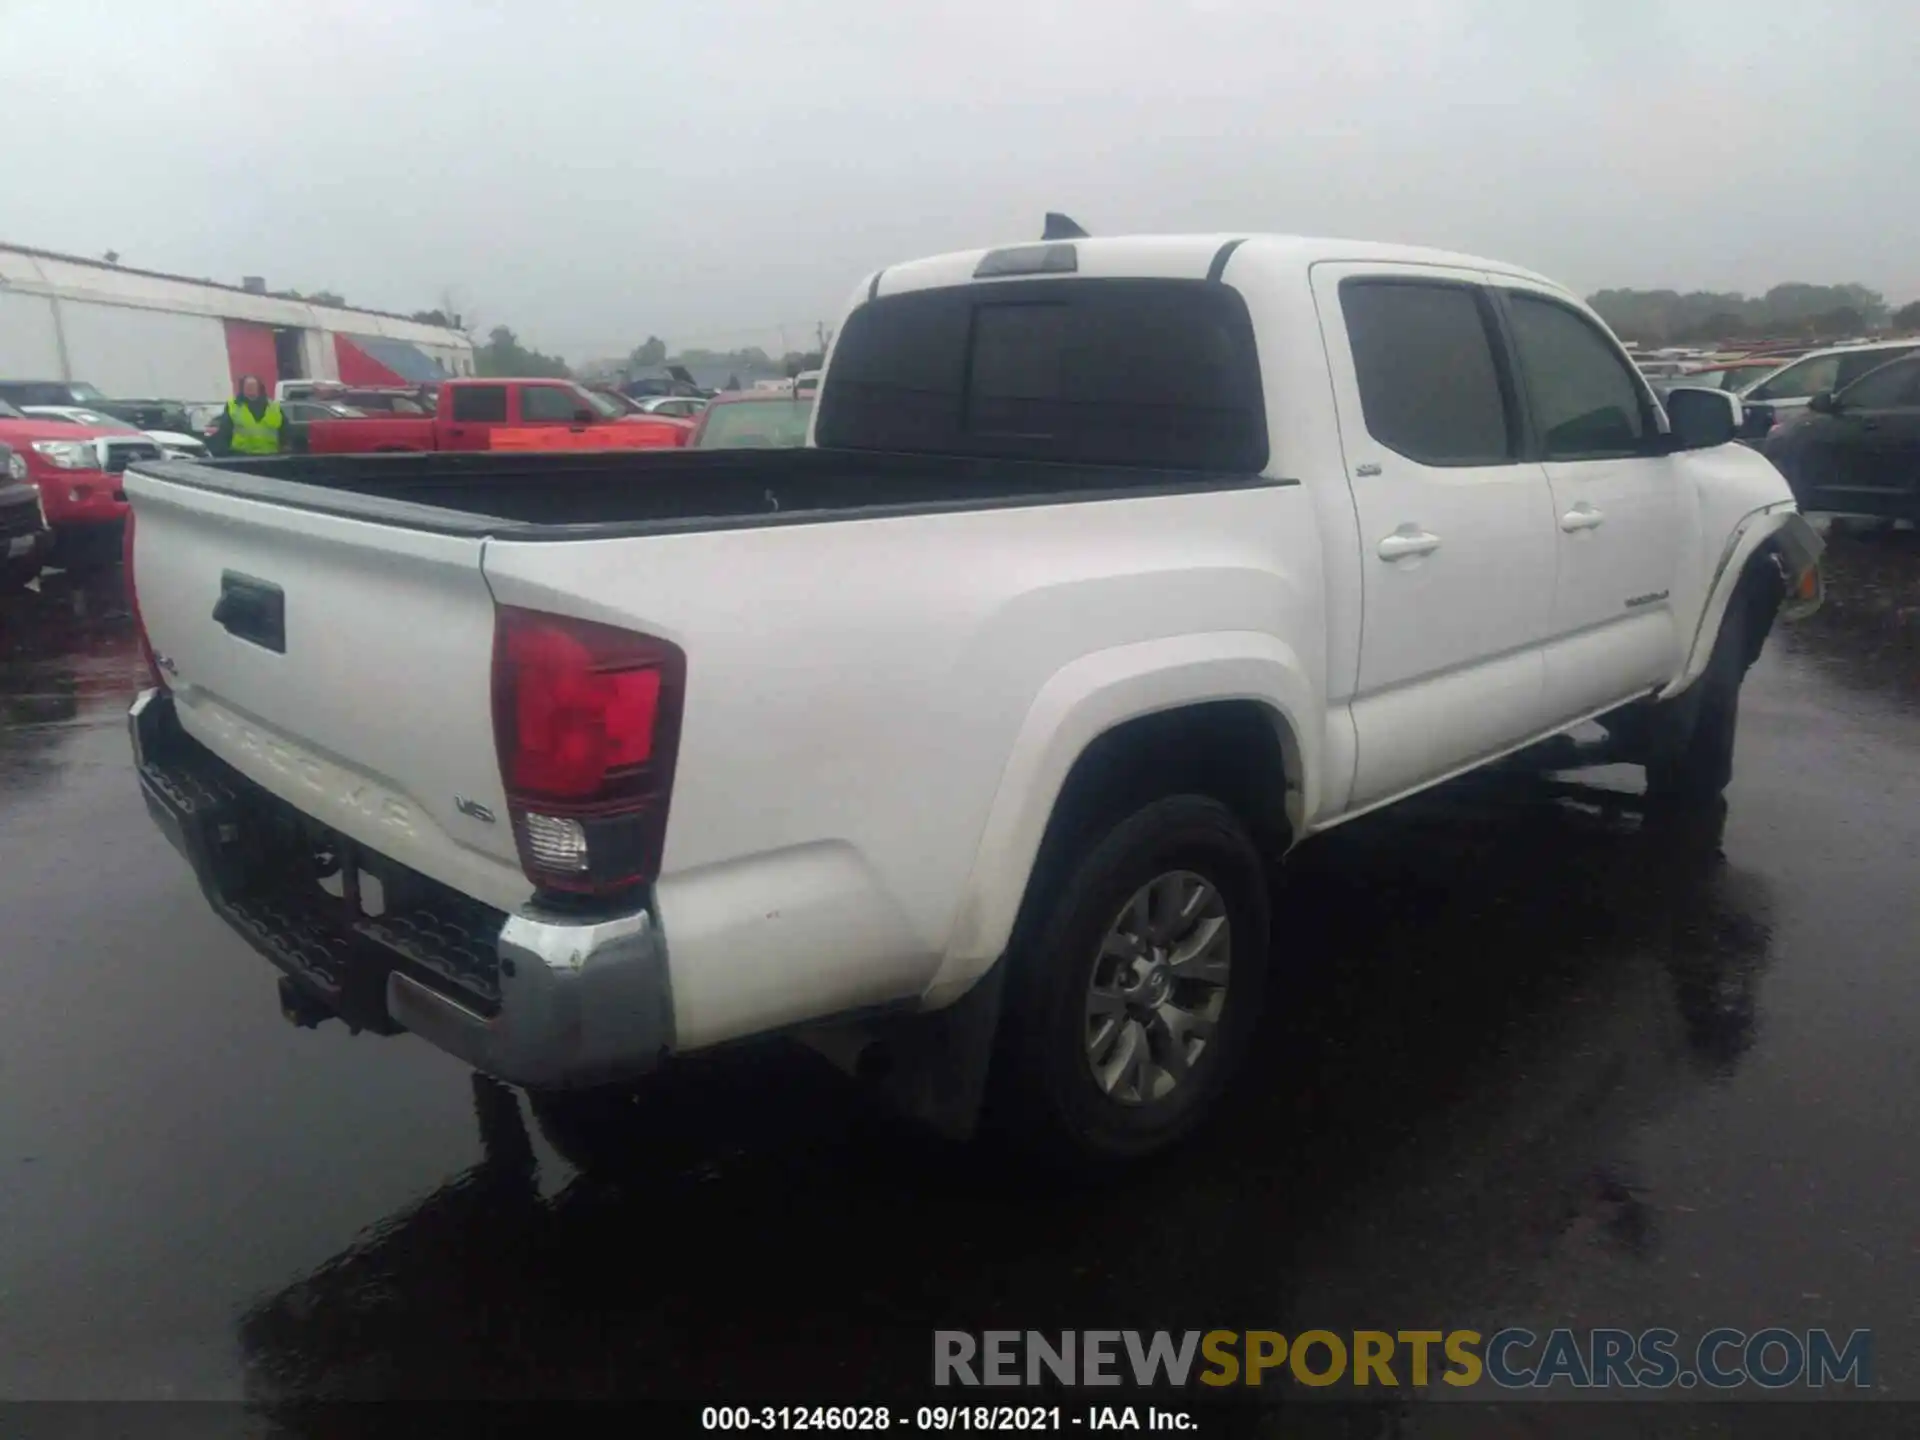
column 357, row 367
column 250, row 352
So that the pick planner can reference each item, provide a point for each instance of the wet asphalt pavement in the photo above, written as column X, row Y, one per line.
column 1531, row 1062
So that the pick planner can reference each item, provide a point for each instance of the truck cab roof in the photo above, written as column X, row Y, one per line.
column 1176, row 257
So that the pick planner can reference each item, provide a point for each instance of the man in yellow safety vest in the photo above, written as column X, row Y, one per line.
column 251, row 424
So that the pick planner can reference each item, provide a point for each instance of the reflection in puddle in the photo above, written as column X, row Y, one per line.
column 68, row 658
column 1867, row 635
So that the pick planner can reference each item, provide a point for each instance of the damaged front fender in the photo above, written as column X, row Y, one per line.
column 1775, row 535
column 1797, row 551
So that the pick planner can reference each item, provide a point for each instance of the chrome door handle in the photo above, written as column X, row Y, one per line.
column 1406, row 542
column 1581, row 517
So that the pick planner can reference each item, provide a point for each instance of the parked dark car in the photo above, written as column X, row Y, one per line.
column 24, row 537
column 1856, row 451
column 141, row 414
column 670, row 380
column 619, row 399
column 1783, row 394
column 1732, row 375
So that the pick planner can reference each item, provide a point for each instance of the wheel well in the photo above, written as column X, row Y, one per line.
column 1240, row 752
column 1758, row 589
column 1648, row 728
column 1761, row 588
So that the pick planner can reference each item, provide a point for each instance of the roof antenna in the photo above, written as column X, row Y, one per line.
column 1060, row 227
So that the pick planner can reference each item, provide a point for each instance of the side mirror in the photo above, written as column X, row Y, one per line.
column 1755, row 421
column 583, row 416
column 1700, row 419
column 1824, row 402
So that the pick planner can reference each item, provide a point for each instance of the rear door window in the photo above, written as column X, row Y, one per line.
column 480, row 404
column 1158, row 374
column 1430, row 387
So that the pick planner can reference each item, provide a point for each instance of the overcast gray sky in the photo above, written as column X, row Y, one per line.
column 593, row 172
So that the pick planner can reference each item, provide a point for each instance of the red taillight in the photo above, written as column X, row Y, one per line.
column 587, row 720
column 133, row 604
column 576, row 719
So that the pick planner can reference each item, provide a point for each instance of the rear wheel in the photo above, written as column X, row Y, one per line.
column 1133, row 994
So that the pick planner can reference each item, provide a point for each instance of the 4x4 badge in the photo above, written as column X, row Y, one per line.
column 473, row 808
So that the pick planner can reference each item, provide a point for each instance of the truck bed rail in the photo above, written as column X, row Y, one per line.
column 578, row 496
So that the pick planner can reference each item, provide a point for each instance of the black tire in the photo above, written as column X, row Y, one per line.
column 1693, row 763
column 87, row 551
column 16, row 575
column 1044, row 1093
column 594, row 1130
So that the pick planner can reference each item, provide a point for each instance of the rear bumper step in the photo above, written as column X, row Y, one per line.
column 535, row 998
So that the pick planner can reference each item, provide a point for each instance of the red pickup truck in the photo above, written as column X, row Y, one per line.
column 470, row 414
column 78, row 471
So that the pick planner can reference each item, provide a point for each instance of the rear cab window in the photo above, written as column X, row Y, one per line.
column 1122, row 372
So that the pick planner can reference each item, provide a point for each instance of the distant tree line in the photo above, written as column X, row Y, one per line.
column 1793, row 310
column 652, row 353
column 503, row 354
column 748, row 357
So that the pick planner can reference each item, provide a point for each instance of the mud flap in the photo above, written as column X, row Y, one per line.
column 929, row 1068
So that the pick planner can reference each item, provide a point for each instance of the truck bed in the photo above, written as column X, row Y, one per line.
column 561, row 496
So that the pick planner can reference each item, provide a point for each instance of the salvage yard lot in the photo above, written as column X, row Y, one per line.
column 1527, row 1060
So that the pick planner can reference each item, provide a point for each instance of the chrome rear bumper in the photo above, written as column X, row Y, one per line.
column 541, row 999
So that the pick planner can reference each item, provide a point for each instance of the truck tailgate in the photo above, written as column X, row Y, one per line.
column 348, row 670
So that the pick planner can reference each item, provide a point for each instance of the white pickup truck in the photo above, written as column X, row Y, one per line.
column 961, row 741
